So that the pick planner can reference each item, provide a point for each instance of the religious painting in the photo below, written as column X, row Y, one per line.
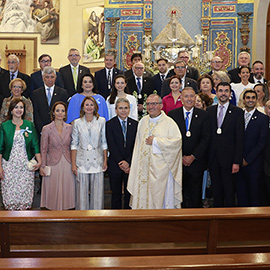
column 31, row 16
column 93, row 34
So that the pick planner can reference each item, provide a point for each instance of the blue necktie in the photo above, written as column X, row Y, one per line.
column 139, row 86
column 186, row 120
column 49, row 96
column 124, row 129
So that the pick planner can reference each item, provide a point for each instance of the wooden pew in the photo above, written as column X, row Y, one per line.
column 134, row 232
column 194, row 262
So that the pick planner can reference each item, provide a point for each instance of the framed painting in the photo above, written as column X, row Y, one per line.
column 31, row 16
column 93, row 34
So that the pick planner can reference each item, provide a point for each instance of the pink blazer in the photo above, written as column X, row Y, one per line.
column 53, row 146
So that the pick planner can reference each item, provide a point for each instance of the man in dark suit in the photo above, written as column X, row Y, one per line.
column 250, row 177
column 226, row 146
column 44, row 60
column 266, row 186
column 71, row 74
column 180, row 69
column 12, row 73
column 120, row 133
column 44, row 97
column 215, row 65
column 243, row 60
column 2, row 70
column 257, row 73
column 135, row 58
column 162, row 65
column 105, row 77
column 191, row 72
column 140, row 87
column 194, row 125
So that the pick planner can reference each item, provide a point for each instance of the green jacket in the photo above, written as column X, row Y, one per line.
column 7, row 131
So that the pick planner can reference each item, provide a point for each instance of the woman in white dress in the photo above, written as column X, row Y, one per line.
column 119, row 89
column 89, row 156
column 244, row 74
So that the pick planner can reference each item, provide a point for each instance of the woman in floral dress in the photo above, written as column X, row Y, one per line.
column 18, row 144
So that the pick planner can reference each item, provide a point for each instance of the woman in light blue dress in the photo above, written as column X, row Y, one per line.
column 88, row 88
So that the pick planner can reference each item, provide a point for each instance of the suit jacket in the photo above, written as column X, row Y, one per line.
column 234, row 75
column 102, row 81
column 147, row 89
column 146, row 74
column 115, row 141
column 158, row 82
column 191, row 73
column 255, row 140
column 197, row 144
column 266, row 153
column 41, row 106
column 53, row 146
column 7, row 131
column 67, row 78
column 2, row 70
column 166, row 90
column 4, row 84
column 251, row 79
column 37, row 81
column 228, row 146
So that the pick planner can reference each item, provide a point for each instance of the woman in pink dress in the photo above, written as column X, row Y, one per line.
column 173, row 100
column 58, row 184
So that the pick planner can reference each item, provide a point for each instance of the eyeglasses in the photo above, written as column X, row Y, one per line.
column 152, row 103
column 17, row 87
column 45, row 61
column 140, row 68
column 12, row 62
column 217, row 62
column 183, row 57
column 181, row 67
column 74, row 55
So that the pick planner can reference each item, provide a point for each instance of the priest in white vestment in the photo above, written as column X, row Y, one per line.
column 155, row 178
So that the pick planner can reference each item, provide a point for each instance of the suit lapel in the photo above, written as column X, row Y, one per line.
column 194, row 118
column 227, row 117
column 252, row 120
column 120, row 131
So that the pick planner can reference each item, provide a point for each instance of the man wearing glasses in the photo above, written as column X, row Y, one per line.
column 216, row 65
column 12, row 73
column 180, row 69
column 73, row 72
column 45, row 60
column 155, row 177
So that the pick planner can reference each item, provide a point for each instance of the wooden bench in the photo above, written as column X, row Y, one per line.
column 194, row 262
column 134, row 232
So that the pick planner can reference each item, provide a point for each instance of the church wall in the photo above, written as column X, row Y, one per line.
column 70, row 36
column 192, row 11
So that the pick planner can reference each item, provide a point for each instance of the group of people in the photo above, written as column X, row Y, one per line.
column 193, row 130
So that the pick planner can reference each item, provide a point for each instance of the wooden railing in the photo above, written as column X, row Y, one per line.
column 192, row 262
column 134, row 232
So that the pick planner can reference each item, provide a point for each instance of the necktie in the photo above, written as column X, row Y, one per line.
column 247, row 115
column 162, row 77
column 12, row 76
column 75, row 76
column 187, row 120
column 220, row 116
column 109, row 79
column 124, row 129
column 259, row 82
column 49, row 96
column 139, row 85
